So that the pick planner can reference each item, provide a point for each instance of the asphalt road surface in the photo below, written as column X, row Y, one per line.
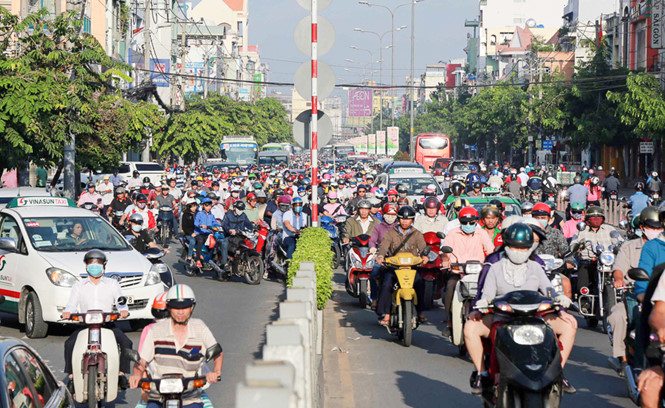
column 235, row 312
column 365, row 366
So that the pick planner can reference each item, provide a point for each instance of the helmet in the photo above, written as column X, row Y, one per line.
column 390, row 209
column 468, row 214
column 460, row 203
column 297, row 201
column 600, row 168
column 432, row 202
column 146, row 179
column 364, row 204
column 401, row 189
column 251, row 196
column 159, row 310
column 136, row 218
column 457, row 188
column 527, row 206
column 407, row 212
column 257, row 185
column 497, row 203
column 577, row 180
column 392, row 191
column 595, row 180
column 332, row 195
column 120, row 190
column 477, row 185
column 239, row 205
column 284, row 199
column 90, row 185
column 577, row 206
column 654, row 174
column 490, row 210
column 136, row 173
column 94, row 254
column 639, row 186
column 180, row 296
column 541, row 209
column 518, row 235
column 206, row 200
column 649, row 217
column 594, row 211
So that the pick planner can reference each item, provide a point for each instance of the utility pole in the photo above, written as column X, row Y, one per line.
column 205, row 75
column 148, row 44
column 412, row 144
column 183, row 56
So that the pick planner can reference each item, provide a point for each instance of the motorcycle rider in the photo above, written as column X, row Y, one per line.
column 526, row 207
column 469, row 243
column 187, row 224
column 476, row 190
column 457, row 207
column 514, row 271
column 611, row 184
column 594, row 191
column 555, row 243
column 91, row 196
column 333, row 208
column 638, row 201
column 431, row 221
column 361, row 195
column 389, row 219
column 576, row 215
column 514, row 187
column 97, row 292
column 134, row 183
column 654, row 184
column 119, row 203
column 142, row 238
column 294, row 222
column 599, row 234
column 490, row 221
column 160, row 346
column 203, row 221
column 283, row 206
column 495, row 180
column 577, row 193
column 361, row 223
column 401, row 238
column 141, row 207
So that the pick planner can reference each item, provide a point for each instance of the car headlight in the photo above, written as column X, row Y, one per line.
column 61, row 277
column 527, row 335
column 171, row 386
column 153, row 276
column 607, row 258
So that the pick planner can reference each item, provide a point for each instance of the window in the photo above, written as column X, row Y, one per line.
column 9, row 229
column 59, row 234
column 19, row 391
column 40, row 377
column 433, row 143
column 124, row 168
column 149, row 167
column 493, row 40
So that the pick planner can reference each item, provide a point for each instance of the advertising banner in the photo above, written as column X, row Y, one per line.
column 393, row 140
column 381, row 142
column 371, row 148
column 161, row 65
column 360, row 103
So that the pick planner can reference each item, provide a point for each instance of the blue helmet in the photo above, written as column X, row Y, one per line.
column 306, row 181
column 296, row 201
column 472, row 168
column 205, row 200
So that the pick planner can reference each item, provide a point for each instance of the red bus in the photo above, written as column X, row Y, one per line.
column 431, row 146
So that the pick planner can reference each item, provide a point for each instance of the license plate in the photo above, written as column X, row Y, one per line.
column 130, row 300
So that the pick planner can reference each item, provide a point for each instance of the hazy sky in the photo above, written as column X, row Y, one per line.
column 440, row 35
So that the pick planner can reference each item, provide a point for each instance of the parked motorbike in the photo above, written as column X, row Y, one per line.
column 360, row 261
column 95, row 359
column 524, row 359
column 245, row 254
column 165, row 219
column 329, row 224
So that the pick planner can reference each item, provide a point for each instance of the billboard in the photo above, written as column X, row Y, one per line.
column 381, row 142
column 371, row 144
column 161, row 65
column 360, row 103
column 393, row 140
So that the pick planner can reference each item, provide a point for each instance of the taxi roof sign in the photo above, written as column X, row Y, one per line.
column 405, row 170
column 20, row 202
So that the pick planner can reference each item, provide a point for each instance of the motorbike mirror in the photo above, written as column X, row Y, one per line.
column 213, row 352
column 599, row 248
column 425, row 251
column 122, row 300
column 441, row 235
column 615, row 235
column 581, row 226
column 446, row 250
column 638, row 275
column 623, row 224
column 131, row 355
column 611, row 248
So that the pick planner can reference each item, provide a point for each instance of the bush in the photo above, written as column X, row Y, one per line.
column 401, row 156
column 314, row 245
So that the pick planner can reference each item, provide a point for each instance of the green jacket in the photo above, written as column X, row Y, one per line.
column 353, row 227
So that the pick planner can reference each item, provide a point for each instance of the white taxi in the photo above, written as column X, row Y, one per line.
column 42, row 244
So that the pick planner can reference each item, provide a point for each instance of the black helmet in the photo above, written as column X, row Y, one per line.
column 477, row 185
column 90, row 185
column 365, row 204
column 518, row 235
column 457, row 188
column 649, row 217
column 141, row 198
column 136, row 173
column 146, row 179
column 239, row 205
column 594, row 211
column 577, row 180
column 639, row 186
column 94, row 254
column 402, row 189
column 497, row 203
column 432, row 202
column 407, row 212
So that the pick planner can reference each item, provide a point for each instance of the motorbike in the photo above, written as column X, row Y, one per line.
column 524, row 359
column 329, row 224
column 403, row 319
column 360, row 261
column 95, row 361
column 431, row 271
column 155, row 255
column 165, row 219
column 613, row 195
column 465, row 293
column 172, row 387
column 245, row 254
column 92, row 206
column 210, row 253
column 278, row 261
column 553, row 269
column 115, row 219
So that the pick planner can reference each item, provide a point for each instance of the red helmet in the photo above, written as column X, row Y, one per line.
column 467, row 214
column 251, row 196
column 284, row 199
column 392, row 191
column 432, row 202
column 289, row 191
column 541, row 209
column 390, row 209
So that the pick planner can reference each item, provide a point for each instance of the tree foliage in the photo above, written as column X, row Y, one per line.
column 642, row 106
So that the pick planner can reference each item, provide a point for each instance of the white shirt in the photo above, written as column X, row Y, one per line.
column 523, row 178
column 218, row 211
column 106, row 190
column 86, row 296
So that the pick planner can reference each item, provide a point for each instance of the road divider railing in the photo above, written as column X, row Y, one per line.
column 614, row 210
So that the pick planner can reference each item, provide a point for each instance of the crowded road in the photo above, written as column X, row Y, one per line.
column 235, row 312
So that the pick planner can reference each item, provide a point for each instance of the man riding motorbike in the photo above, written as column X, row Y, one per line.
column 431, row 221
column 638, row 201
column 389, row 219
column 294, row 222
column 142, row 238
column 361, row 223
column 490, row 221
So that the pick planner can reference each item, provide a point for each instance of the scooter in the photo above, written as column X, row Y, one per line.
column 115, row 220
column 431, row 272
column 553, row 269
column 328, row 224
column 524, row 359
column 209, row 252
column 360, row 261
column 165, row 219
column 403, row 319
column 172, row 387
column 155, row 255
column 95, row 361
column 465, row 293
column 245, row 254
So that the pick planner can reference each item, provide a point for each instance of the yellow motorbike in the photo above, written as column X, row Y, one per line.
column 403, row 319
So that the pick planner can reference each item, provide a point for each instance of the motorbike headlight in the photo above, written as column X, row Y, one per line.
column 527, row 335
column 171, row 386
column 473, row 269
column 331, row 234
column 369, row 264
column 607, row 258
column 94, row 318
column 153, row 276
column 61, row 277
column 357, row 263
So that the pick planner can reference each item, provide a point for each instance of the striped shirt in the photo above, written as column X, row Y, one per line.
column 161, row 347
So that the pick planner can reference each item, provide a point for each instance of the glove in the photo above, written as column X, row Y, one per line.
column 563, row 300
column 482, row 304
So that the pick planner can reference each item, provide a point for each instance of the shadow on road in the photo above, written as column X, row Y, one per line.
column 422, row 392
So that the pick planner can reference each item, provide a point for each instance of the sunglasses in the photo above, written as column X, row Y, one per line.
column 577, row 211
column 468, row 222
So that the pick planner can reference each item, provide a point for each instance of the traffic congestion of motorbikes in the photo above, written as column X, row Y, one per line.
column 514, row 255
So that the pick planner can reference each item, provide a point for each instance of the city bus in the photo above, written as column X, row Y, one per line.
column 431, row 146
column 239, row 149
column 273, row 147
column 343, row 150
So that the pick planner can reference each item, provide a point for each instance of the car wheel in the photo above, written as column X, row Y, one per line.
column 35, row 326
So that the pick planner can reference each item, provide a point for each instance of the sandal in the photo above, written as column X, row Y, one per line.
column 384, row 322
column 422, row 319
column 374, row 304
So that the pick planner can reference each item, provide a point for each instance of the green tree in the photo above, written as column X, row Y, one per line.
column 642, row 106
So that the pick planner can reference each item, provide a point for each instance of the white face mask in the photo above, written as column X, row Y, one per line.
column 519, row 257
column 238, row 212
column 390, row 219
column 652, row 233
column 235, row 194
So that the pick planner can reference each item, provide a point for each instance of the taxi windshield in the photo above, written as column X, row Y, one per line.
column 60, row 234
column 416, row 185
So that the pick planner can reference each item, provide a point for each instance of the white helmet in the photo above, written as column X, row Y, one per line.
column 180, row 296
column 600, row 168
column 654, row 174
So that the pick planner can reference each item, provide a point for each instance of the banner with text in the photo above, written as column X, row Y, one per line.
column 380, row 142
column 371, row 145
column 360, row 103
column 393, row 140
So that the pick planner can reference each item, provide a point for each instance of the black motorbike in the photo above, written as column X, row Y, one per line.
column 165, row 224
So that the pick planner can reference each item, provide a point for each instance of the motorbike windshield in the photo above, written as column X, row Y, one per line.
column 60, row 234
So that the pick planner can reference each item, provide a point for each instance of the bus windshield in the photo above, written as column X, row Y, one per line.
column 433, row 143
column 242, row 153
column 273, row 160
column 343, row 151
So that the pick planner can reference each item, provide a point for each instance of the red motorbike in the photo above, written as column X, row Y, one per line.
column 431, row 271
column 359, row 267
column 245, row 250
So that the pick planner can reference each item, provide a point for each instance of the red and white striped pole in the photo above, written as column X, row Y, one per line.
column 315, row 113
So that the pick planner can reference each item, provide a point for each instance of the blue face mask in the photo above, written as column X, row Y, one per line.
column 95, row 270
column 297, row 210
column 469, row 228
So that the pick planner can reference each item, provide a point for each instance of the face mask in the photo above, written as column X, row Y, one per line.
column 238, row 212
column 141, row 205
column 543, row 223
column 468, row 228
column 302, row 194
column 297, row 210
column 651, row 233
column 146, row 185
column 137, row 228
column 390, row 219
column 577, row 216
column 235, row 194
column 639, row 233
column 95, row 270
column 595, row 222
column 518, row 257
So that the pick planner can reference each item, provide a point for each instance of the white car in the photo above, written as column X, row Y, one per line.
column 8, row 194
column 42, row 244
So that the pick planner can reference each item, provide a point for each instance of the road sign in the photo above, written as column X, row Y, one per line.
column 548, row 144
column 646, row 147
column 529, row 138
column 325, row 37
column 301, row 129
column 657, row 24
column 325, row 82
column 307, row 4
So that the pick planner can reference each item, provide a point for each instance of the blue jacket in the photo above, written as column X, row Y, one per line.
column 638, row 201
column 653, row 254
column 232, row 221
column 204, row 218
